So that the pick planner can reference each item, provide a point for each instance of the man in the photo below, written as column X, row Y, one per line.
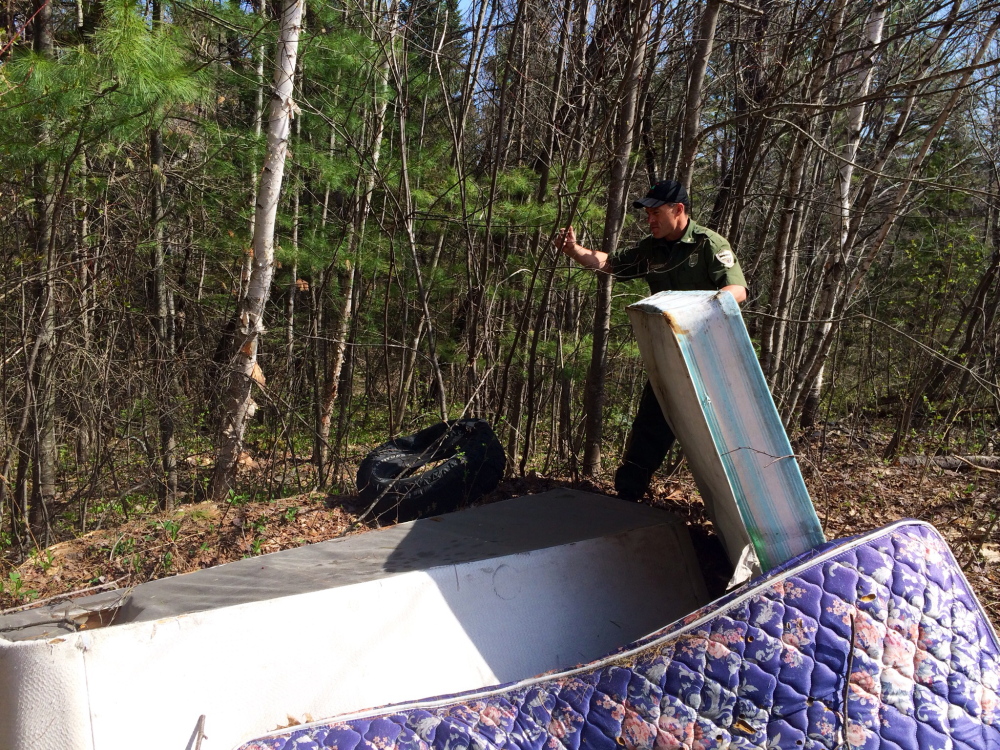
column 679, row 255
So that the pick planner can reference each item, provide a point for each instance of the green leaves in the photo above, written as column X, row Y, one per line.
column 147, row 64
column 127, row 79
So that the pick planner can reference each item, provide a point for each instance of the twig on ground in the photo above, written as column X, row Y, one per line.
column 977, row 467
column 68, row 595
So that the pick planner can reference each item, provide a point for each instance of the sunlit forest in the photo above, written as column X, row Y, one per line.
column 162, row 344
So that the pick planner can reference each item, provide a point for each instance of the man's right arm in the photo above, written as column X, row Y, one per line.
column 593, row 259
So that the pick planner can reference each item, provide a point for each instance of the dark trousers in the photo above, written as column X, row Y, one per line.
column 648, row 444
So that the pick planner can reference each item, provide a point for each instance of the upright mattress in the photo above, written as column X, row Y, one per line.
column 705, row 374
column 874, row 642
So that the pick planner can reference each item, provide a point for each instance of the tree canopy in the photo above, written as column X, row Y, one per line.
column 849, row 151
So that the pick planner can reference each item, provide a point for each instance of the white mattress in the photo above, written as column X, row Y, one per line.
column 705, row 374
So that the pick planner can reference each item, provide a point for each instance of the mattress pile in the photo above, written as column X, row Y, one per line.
column 875, row 642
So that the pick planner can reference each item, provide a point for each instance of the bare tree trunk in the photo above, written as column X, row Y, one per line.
column 977, row 310
column 351, row 281
column 540, row 197
column 753, row 89
column 835, row 275
column 696, row 80
column 855, row 119
column 163, row 348
column 783, row 265
column 399, row 71
column 293, row 287
column 785, row 257
column 565, row 401
column 346, row 392
column 617, row 192
column 321, row 451
column 243, row 370
column 841, row 286
column 39, row 440
column 457, row 123
column 82, row 256
column 531, row 399
column 259, row 55
column 410, row 356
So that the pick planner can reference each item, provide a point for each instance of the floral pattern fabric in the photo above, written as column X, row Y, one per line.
column 876, row 642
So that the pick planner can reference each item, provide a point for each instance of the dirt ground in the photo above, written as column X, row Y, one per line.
column 853, row 490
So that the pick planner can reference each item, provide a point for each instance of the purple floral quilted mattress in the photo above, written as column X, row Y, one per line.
column 873, row 642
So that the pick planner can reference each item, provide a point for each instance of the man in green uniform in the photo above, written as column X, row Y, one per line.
column 679, row 255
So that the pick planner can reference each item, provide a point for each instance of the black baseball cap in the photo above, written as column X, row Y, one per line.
column 667, row 191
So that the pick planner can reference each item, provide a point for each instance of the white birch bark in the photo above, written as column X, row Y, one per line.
column 856, row 116
column 855, row 119
column 243, row 370
column 842, row 287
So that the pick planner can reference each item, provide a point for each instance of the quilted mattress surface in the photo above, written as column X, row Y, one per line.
column 873, row 642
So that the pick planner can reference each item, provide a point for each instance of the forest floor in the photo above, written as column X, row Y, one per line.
column 854, row 492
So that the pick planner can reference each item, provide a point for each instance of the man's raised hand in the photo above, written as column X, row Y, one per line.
column 566, row 241
column 592, row 259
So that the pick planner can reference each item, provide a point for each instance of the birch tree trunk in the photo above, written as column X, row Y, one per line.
column 855, row 119
column 238, row 404
column 842, row 286
column 835, row 272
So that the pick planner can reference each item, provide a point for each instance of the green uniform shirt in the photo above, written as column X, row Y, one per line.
column 700, row 259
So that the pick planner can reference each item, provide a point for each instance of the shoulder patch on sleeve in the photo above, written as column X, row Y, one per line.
column 726, row 258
